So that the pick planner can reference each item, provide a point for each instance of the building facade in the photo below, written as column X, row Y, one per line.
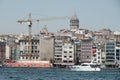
column 68, row 52
column 47, row 49
column 34, row 53
column 97, row 54
column 86, row 50
column 110, row 53
column 59, row 39
column 2, row 50
column 118, row 55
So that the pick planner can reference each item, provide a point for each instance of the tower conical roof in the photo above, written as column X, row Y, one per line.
column 74, row 17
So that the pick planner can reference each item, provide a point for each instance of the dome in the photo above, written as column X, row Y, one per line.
column 74, row 22
column 74, row 17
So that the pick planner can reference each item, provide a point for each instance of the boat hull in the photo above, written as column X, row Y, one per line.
column 84, row 69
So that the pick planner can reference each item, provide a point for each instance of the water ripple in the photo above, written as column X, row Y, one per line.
column 55, row 74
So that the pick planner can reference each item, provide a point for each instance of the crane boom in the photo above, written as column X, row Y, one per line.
column 29, row 21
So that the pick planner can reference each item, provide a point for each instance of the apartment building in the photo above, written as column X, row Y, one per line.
column 110, row 53
column 34, row 53
column 68, row 52
column 59, row 39
column 2, row 50
column 97, row 54
column 86, row 50
column 10, row 47
column 47, row 49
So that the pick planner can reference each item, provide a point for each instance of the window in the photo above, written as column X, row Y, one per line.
column 70, row 61
column 65, row 46
column 32, row 51
column 35, row 47
column 36, row 57
column 33, row 57
column 70, row 47
column 70, row 51
column 35, row 42
column 117, row 51
column 99, row 53
column 32, row 47
column 65, row 61
column 35, row 51
column 65, row 56
column 98, row 57
column 65, row 51
column 26, row 57
column 21, row 52
column 98, row 49
column 98, row 61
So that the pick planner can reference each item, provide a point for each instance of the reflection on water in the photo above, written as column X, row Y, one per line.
column 55, row 74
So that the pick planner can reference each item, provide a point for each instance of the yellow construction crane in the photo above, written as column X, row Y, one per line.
column 29, row 21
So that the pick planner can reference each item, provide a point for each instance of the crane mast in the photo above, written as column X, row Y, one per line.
column 29, row 22
column 29, row 37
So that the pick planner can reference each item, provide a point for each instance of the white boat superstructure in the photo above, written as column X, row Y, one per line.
column 85, row 67
column 1, row 65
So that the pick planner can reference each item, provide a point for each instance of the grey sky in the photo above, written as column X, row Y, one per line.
column 93, row 14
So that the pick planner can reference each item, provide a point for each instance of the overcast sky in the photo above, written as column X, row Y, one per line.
column 92, row 14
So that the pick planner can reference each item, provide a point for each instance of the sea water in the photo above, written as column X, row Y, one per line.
column 56, row 74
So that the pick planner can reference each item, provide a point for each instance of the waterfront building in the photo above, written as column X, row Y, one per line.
column 46, row 45
column 77, row 51
column 26, row 59
column 86, row 50
column 34, row 53
column 117, row 55
column 97, row 54
column 68, row 52
column 2, row 50
column 59, row 39
column 110, row 53
column 12, row 52
column 47, row 48
column 11, row 47
column 117, row 52
column 9, row 39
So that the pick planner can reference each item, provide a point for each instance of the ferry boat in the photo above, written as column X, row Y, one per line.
column 85, row 67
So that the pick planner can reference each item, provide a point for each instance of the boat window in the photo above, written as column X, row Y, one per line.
column 84, row 65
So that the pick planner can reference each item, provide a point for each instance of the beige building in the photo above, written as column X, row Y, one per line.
column 68, row 52
column 46, row 48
